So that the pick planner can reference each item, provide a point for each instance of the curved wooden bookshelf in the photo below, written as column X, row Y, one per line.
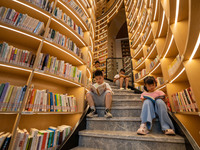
column 19, row 75
column 174, row 31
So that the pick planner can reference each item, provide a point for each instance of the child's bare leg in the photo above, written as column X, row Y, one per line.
column 127, row 81
column 90, row 100
column 121, row 80
column 108, row 100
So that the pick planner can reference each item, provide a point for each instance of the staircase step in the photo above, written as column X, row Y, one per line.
column 121, row 111
column 126, row 102
column 122, row 91
column 119, row 124
column 84, row 148
column 118, row 140
column 126, row 96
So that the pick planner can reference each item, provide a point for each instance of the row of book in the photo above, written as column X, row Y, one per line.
column 139, row 61
column 76, row 7
column 56, row 37
column 47, row 5
column 103, row 58
column 41, row 139
column 11, row 97
column 140, row 74
column 58, row 13
column 45, row 101
column 174, row 65
column 154, row 62
column 11, row 54
column 140, row 87
column 5, row 138
column 20, row 20
column 51, row 64
column 137, row 49
column 184, row 101
column 160, row 81
column 146, row 32
column 149, row 49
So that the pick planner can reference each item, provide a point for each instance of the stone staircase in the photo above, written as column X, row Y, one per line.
column 119, row 132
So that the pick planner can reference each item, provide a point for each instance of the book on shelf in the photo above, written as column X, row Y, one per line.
column 51, row 64
column 13, row 55
column 11, row 97
column 184, row 101
column 45, row 101
column 154, row 62
column 41, row 139
column 47, row 5
column 140, row 74
column 98, row 89
column 23, row 21
column 141, row 87
column 56, row 37
column 5, row 138
column 78, row 10
column 58, row 13
column 174, row 65
column 160, row 81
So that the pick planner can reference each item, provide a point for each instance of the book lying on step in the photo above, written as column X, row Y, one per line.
column 98, row 89
column 154, row 99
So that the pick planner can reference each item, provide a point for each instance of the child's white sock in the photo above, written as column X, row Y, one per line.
column 92, row 108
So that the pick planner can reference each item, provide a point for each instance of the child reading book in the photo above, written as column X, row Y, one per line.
column 121, row 80
column 154, row 103
column 99, row 95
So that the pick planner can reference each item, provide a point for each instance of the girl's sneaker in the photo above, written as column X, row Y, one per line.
column 107, row 114
column 142, row 130
column 92, row 114
column 169, row 132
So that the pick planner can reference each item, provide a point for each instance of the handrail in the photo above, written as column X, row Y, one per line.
column 73, row 138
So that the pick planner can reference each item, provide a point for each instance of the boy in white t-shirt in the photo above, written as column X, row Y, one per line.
column 121, row 80
column 103, row 100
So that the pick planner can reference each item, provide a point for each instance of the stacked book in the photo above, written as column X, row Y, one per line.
column 41, row 139
column 174, row 65
column 184, row 101
column 56, row 37
column 50, row 64
column 58, row 13
column 5, row 140
column 20, row 20
column 11, row 97
column 45, row 101
column 44, row 4
column 11, row 54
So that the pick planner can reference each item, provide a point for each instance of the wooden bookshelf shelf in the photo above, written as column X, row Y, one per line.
column 187, row 113
column 65, row 29
column 62, row 53
column 49, row 113
column 57, row 79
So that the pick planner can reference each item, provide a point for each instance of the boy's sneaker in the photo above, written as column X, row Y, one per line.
column 92, row 114
column 107, row 114
column 121, row 88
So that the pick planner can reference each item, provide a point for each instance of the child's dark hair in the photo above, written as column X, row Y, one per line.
column 96, row 62
column 98, row 73
column 149, row 80
column 122, row 70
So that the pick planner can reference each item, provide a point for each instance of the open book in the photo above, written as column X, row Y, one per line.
column 98, row 89
column 124, row 76
column 154, row 99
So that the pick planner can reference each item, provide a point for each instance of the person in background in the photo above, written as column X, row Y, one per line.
column 96, row 66
column 151, row 108
column 121, row 80
column 105, row 99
